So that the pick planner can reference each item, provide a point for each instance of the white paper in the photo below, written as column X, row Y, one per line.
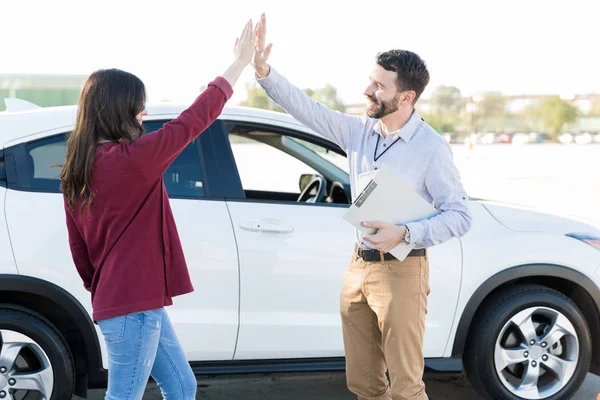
column 388, row 198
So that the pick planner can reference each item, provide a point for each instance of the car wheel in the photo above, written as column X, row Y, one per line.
column 528, row 342
column 35, row 362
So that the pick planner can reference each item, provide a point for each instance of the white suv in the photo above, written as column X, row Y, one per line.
column 258, row 199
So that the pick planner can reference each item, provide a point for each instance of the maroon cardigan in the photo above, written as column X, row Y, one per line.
column 126, row 247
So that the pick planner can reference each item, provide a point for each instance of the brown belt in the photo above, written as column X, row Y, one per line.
column 375, row 255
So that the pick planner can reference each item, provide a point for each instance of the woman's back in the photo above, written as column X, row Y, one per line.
column 125, row 245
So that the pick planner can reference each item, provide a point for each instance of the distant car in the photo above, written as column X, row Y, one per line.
column 488, row 138
column 533, row 137
column 520, row 139
column 505, row 138
column 539, row 138
column 259, row 201
column 565, row 138
column 584, row 138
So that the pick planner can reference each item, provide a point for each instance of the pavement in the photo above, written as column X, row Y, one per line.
column 326, row 386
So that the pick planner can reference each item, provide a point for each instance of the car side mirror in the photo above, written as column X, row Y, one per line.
column 305, row 179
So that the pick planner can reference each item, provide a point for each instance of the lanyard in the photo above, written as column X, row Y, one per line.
column 377, row 157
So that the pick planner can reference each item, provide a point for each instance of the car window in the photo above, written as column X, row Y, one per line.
column 184, row 178
column 263, row 165
column 336, row 159
column 45, row 159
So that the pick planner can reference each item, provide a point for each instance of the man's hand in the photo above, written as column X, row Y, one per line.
column 387, row 236
column 261, row 50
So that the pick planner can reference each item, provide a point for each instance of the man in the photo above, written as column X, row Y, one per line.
column 384, row 301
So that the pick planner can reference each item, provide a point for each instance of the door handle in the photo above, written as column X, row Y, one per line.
column 266, row 227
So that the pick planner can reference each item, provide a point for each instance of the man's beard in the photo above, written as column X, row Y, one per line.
column 383, row 108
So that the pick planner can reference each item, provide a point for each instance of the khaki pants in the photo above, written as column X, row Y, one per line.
column 383, row 307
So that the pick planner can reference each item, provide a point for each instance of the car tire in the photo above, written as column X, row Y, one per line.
column 33, row 344
column 501, row 358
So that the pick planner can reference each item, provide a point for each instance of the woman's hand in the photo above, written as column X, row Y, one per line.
column 244, row 45
column 243, row 51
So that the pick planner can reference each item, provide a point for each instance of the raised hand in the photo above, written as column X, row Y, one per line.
column 261, row 49
column 244, row 45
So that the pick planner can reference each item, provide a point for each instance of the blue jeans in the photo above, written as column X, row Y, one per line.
column 144, row 344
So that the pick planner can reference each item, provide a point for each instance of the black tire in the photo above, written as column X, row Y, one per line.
column 491, row 318
column 41, row 331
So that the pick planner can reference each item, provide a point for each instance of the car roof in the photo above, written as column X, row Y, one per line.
column 40, row 122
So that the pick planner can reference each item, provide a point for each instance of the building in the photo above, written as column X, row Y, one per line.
column 43, row 90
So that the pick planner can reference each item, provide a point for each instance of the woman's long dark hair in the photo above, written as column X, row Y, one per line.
column 108, row 105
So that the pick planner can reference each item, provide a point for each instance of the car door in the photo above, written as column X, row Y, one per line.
column 293, row 255
column 206, row 321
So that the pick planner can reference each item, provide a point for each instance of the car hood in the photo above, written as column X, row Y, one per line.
column 524, row 219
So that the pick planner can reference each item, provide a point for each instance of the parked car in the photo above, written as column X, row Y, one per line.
column 532, row 137
column 520, row 139
column 543, row 138
column 584, row 138
column 258, row 199
column 565, row 138
column 505, row 137
column 535, row 137
column 488, row 138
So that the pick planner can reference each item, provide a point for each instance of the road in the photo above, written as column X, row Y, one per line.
column 326, row 386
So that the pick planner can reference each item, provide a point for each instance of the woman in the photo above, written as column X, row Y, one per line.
column 122, row 233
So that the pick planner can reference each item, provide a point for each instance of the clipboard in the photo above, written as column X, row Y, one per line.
column 387, row 198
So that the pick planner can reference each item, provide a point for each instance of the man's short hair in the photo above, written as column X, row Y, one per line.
column 411, row 70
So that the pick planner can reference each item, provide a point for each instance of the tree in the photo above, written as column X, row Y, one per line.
column 441, row 121
column 257, row 98
column 491, row 105
column 446, row 104
column 446, row 98
column 327, row 96
column 555, row 112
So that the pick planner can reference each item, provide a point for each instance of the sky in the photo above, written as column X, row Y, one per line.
column 178, row 46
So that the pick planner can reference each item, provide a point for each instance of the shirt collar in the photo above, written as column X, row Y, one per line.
column 407, row 131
